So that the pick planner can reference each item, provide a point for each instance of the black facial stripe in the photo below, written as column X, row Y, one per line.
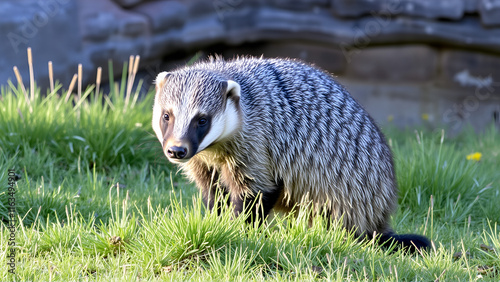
column 197, row 133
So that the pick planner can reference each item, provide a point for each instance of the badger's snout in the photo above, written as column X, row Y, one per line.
column 179, row 151
column 176, row 152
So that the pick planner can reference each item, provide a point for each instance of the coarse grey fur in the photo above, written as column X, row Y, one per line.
column 285, row 130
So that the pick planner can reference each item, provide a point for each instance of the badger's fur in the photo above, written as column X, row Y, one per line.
column 282, row 131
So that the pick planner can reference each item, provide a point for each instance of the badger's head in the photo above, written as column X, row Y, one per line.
column 193, row 110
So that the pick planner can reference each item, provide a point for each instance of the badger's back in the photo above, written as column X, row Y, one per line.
column 315, row 138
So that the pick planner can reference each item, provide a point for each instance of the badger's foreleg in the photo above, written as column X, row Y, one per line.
column 252, row 196
column 257, row 206
column 212, row 189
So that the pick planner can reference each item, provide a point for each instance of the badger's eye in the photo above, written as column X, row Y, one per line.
column 166, row 117
column 202, row 121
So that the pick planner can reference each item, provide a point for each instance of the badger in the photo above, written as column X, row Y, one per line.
column 269, row 134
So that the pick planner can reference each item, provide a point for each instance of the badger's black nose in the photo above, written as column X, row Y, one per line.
column 176, row 152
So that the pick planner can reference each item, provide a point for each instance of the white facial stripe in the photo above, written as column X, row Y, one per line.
column 216, row 129
column 182, row 121
column 184, row 115
column 222, row 126
column 232, row 120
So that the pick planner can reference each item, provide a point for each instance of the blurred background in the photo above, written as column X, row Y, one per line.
column 408, row 62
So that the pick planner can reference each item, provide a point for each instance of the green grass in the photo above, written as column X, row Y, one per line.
column 98, row 201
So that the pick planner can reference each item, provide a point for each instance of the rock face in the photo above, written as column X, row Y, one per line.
column 439, row 49
column 490, row 12
column 447, row 9
column 395, row 64
column 49, row 27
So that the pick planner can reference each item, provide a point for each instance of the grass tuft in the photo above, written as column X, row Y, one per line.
column 428, row 168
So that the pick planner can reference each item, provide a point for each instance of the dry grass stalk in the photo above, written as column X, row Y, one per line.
column 71, row 86
column 20, row 82
column 51, row 77
column 98, row 80
column 129, row 86
column 80, row 75
column 132, row 72
column 32, row 75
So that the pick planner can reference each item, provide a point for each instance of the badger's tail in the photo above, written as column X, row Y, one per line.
column 410, row 242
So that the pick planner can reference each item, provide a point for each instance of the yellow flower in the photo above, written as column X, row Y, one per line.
column 475, row 156
column 425, row 116
column 390, row 118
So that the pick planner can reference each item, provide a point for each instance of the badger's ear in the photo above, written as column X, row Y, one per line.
column 160, row 80
column 233, row 89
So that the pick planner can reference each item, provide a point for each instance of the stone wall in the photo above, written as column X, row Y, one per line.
column 407, row 61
